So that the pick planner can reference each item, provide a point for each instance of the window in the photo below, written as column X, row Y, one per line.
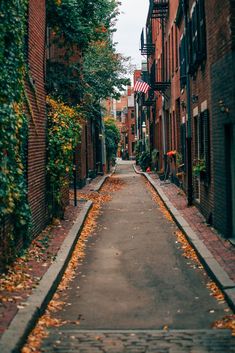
column 119, row 115
column 197, row 29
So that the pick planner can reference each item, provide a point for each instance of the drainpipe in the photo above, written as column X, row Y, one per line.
column 189, row 122
column 163, row 98
column 164, row 134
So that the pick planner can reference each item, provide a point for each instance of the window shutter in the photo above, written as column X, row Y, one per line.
column 182, row 142
column 153, row 74
column 202, row 29
column 190, row 49
column 207, row 142
column 201, row 137
column 195, row 35
column 182, row 62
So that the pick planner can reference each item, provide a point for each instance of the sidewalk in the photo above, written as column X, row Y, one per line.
column 31, row 280
column 216, row 253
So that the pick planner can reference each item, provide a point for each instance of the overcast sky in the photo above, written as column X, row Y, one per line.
column 129, row 26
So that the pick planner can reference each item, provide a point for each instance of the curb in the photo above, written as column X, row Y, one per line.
column 14, row 337
column 211, row 265
column 104, row 178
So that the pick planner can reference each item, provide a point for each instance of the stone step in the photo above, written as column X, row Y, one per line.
column 139, row 341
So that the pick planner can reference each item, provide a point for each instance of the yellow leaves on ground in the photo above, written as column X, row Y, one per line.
column 159, row 202
column 228, row 322
column 215, row 291
column 40, row 331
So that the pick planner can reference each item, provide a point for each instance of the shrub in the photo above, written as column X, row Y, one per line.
column 145, row 160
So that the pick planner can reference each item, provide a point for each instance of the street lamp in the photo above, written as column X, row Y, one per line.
column 144, row 132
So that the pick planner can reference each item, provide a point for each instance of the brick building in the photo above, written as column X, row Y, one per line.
column 190, row 49
column 88, row 155
column 36, row 173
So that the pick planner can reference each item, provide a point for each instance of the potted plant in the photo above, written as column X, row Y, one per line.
column 155, row 159
column 199, row 168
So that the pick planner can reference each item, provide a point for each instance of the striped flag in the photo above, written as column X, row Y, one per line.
column 141, row 86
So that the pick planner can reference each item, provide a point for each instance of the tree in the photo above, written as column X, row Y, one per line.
column 87, row 63
column 112, row 139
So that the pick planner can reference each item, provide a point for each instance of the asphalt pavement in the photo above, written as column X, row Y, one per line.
column 135, row 281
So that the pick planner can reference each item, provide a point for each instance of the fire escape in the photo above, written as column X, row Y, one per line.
column 146, row 43
column 158, row 9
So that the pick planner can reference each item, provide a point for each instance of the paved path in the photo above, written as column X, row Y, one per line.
column 135, row 278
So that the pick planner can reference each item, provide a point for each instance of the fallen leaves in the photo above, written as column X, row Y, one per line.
column 228, row 322
column 215, row 291
column 40, row 331
column 159, row 202
column 189, row 253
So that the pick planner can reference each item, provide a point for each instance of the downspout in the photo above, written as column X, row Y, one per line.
column 164, row 134
column 188, row 120
column 163, row 100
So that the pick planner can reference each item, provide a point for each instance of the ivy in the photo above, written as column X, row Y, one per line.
column 112, row 139
column 63, row 137
column 13, row 122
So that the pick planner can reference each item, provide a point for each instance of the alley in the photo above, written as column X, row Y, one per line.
column 134, row 285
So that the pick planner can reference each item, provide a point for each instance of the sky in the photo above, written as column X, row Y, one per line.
column 129, row 26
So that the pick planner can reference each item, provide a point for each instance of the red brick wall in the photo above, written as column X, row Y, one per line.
column 37, row 123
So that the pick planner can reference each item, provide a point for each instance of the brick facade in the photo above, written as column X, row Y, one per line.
column 221, row 31
column 37, row 123
column 210, row 44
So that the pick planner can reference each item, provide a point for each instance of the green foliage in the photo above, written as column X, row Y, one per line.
column 88, row 69
column 138, row 151
column 104, row 71
column 199, row 166
column 155, row 158
column 13, row 123
column 63, row 137
column 145, row 160
column 112, row 139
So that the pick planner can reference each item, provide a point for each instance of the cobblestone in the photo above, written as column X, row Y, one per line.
column 175, row 341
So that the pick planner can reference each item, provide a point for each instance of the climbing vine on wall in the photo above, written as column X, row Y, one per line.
column 63, row 137
column 13, row 122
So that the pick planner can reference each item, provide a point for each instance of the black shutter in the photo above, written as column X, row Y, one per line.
column 195, row 35
column 183, row 144
column 202, row 30
column 182, row 63
column 206, row 122
column 190, row 49
column 201, row 137
column 153, row 74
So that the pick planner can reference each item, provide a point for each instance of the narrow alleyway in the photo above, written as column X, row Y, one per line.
column 134, row 286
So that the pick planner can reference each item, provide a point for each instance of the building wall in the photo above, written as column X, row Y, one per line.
column 222, row 75
column 212, row 102
column 37, row 122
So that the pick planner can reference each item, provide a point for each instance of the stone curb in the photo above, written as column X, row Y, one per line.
column 102, row 181
column 14, row 337
column 212, row 266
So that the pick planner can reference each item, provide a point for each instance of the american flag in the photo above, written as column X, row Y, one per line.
column 141, row 86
